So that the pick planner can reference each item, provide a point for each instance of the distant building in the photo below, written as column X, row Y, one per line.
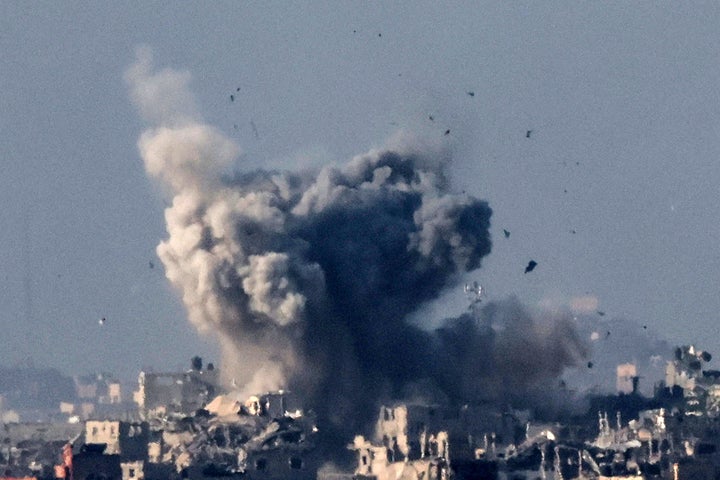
column 132, row 470
column 97, row 395
column 102, row 388
column 87, row 409
column 627, row 378
column 114, row 393
column 67, row 408
column 10, row 416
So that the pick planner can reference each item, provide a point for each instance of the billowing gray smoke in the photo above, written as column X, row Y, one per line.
column 506, row 354
column 307, row 278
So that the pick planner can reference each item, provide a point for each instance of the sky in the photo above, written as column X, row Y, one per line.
column 613, row 192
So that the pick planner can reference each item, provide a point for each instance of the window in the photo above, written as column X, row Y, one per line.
column 131, row 473
column 296, row 463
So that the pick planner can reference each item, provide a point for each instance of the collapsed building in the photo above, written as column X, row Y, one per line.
column 258, row 438
column 697, row 389
column 432, row 442
column 671, row 436
column 265, row 437
column 408, row 443
column 271, row 436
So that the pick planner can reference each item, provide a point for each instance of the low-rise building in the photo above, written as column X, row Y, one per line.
column 128, row 439
column 183, row 392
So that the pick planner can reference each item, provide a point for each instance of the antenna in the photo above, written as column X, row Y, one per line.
column 474, row 292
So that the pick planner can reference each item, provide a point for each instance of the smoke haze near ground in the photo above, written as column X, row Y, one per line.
column 307, row 278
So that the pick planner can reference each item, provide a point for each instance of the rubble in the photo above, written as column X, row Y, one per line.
column 673, row 435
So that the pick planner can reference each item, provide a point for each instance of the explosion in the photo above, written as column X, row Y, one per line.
column 307, row 278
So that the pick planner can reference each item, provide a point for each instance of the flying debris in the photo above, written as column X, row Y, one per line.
column 590, row 364
column 447, row 132
column 506, row 233
column 232, row 98
column 528, row 133
column 530, row 266
column 379, row 34
column 432, row 119
column 471, row 93
column 573, row 232
column 237, row 89
column 601, row 313
column 102, row 321
column 151, row 265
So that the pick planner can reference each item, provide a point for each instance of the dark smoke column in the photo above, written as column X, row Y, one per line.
column 306, row 279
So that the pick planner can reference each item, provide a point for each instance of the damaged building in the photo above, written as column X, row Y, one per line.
column 406, row 428
column 183, row 392
column 264, row 437
column 671, row 436
column 31, row 449
column 431, row 442
column 271, row 436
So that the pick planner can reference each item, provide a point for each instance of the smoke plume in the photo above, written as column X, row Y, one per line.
column 307, row 278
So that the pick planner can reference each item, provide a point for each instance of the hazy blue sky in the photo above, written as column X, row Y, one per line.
column 614, row 194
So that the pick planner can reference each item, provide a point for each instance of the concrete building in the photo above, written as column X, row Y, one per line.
column 376, row 462
column 406, row 429
column 626, row 378
column 132, row 470
column 130, row 440
column 101, row 388
column 183, row 392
